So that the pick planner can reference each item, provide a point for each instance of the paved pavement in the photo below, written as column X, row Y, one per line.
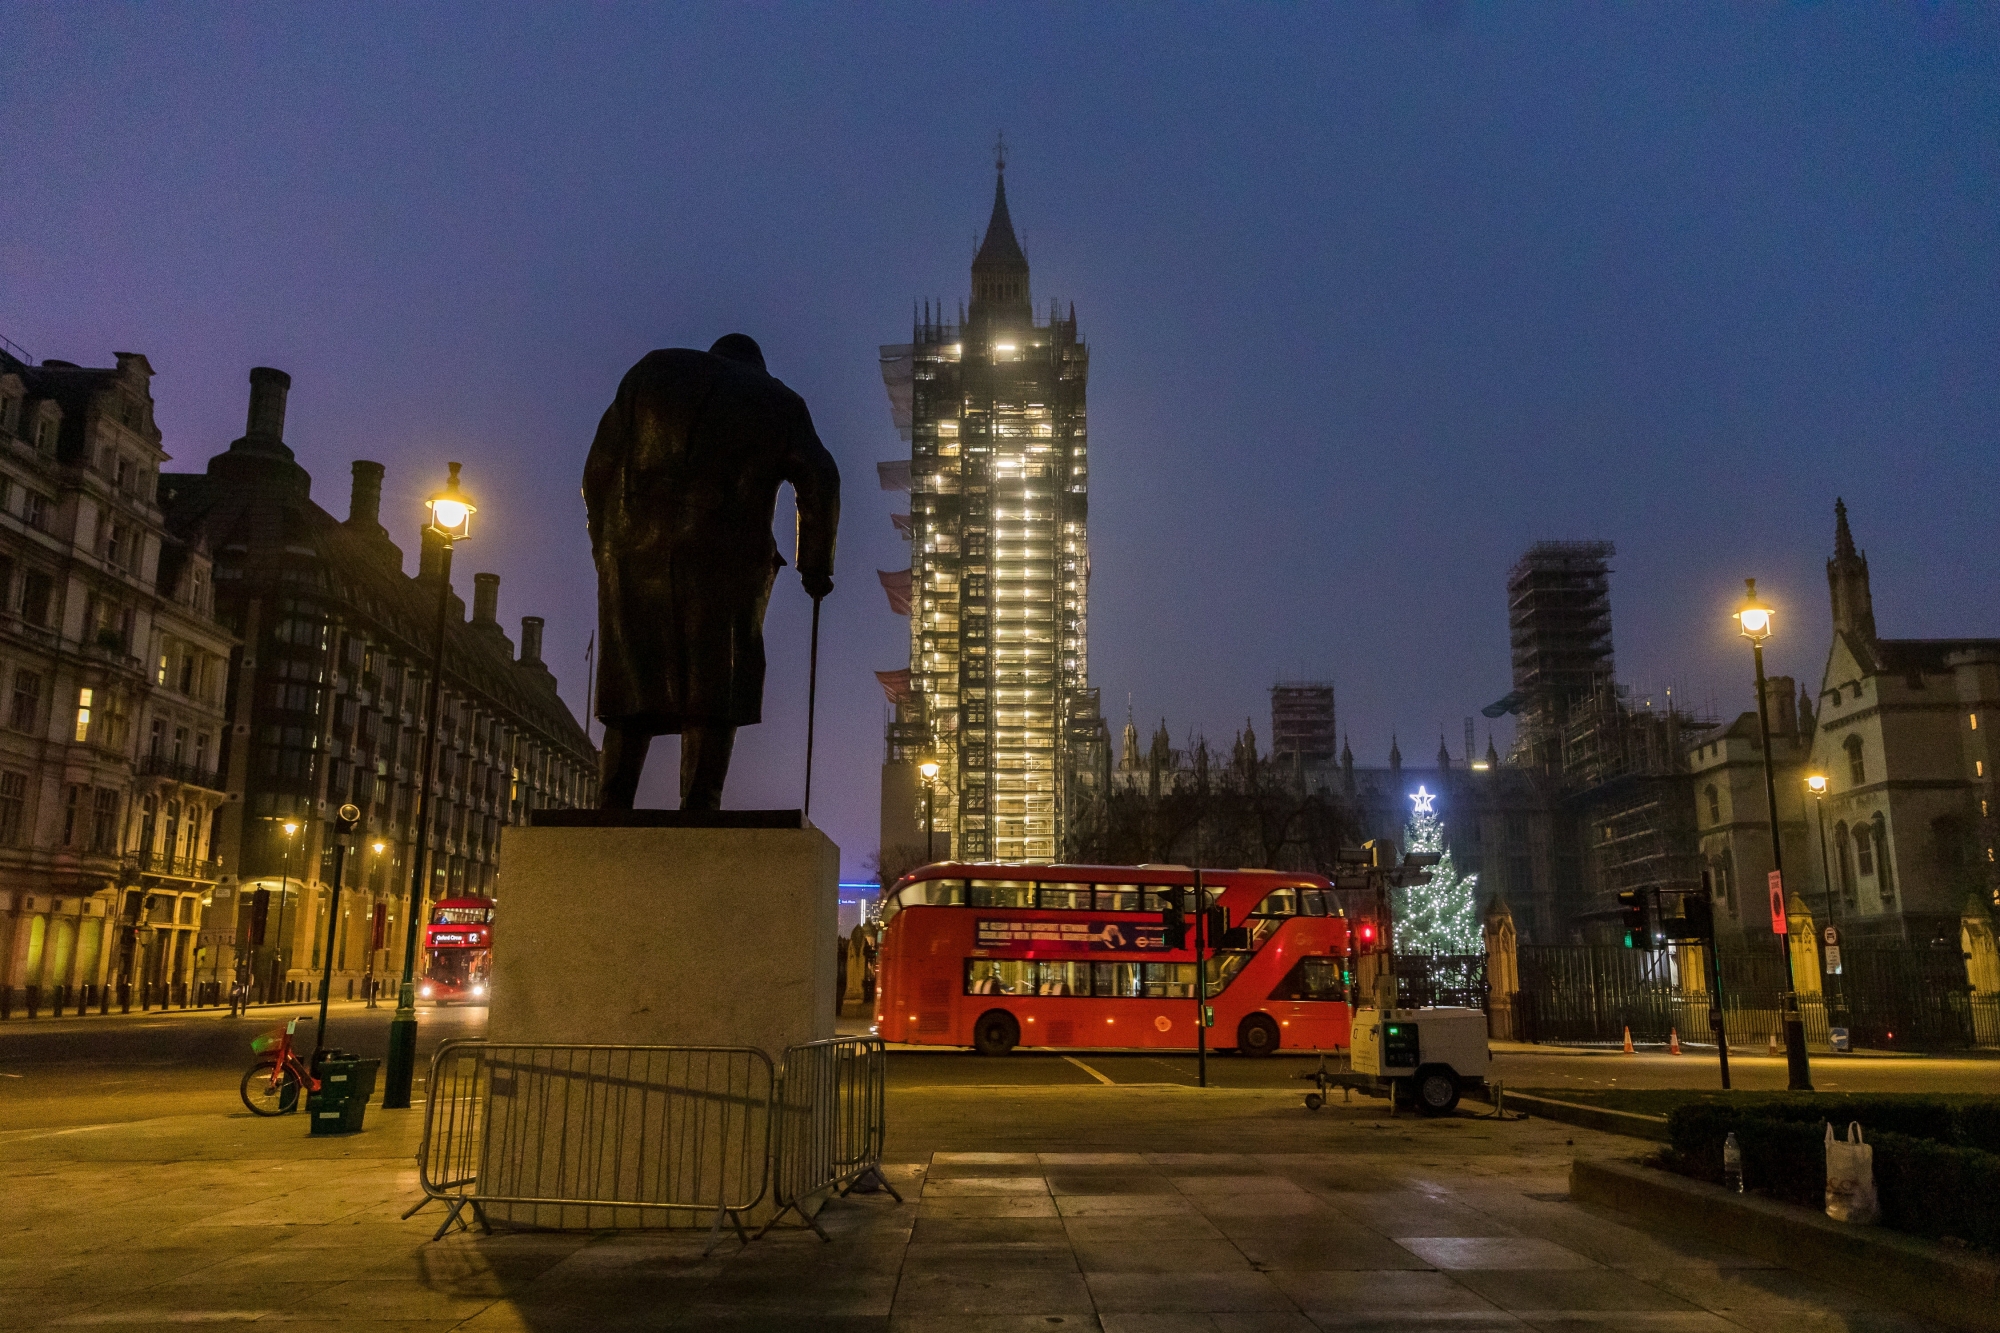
column 1065, row 1204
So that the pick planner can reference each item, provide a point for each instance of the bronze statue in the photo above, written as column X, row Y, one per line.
column 681, row 485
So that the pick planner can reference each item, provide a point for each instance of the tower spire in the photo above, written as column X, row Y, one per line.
column 1000, row 268
column 1847, row 581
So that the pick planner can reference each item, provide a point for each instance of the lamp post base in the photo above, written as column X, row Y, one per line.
column 401, row 1066
column 1798, row 1072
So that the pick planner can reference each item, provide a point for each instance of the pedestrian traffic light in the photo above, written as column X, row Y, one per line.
column 1365, row 933
column 1632, row 911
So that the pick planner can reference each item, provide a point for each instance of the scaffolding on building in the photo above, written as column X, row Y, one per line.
column 1559, row 624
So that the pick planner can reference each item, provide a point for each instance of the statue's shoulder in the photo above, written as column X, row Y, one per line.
column 668, row 365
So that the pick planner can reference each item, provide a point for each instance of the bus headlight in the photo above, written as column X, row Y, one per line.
column 479, row 990
column 424, row 991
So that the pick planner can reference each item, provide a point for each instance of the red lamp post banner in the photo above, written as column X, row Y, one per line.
column 1778, row 926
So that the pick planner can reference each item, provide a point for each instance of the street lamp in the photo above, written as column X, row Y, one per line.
column 1816, row 784
column 374, row 944
column 450, row 521
column 278, row 960
column 929, row 769
column 1754, row 620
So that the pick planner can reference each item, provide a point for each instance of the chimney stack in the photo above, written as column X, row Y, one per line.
column 531, row 640
column 485, row 598
column 364, row 506
column 430, row 555
column 268, row 389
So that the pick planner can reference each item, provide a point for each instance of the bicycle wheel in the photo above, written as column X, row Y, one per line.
column 266, row 1094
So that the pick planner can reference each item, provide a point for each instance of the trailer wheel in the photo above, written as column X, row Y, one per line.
column 1256, row 1035
column 1436, row 1089
column 1314, row 1101
column 996, row 1033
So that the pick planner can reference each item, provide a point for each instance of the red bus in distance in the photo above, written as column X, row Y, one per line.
column 999, row 956
column 458, row 951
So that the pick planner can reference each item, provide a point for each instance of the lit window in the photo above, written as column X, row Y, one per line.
column 83, row 702
column 1974, row 719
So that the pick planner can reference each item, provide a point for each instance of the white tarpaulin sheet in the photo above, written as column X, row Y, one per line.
column 899, row 373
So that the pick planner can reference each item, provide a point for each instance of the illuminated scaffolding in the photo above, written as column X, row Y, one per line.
column 999, row 576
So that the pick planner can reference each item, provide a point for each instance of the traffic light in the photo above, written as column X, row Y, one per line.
column 1364, row 932
column 260, row 913
column 1632, row 910
column 1174, row 919
column 1698, row 914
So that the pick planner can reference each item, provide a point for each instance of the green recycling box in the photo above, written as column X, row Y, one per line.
column 346, row 1082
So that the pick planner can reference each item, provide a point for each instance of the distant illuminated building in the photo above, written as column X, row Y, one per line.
column 998, row 685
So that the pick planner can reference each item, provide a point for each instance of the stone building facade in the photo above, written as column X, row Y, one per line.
column 326, row 706
column 1902, row 843
column 113, row 670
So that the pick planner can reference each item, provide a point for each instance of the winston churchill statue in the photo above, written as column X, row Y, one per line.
column 681, row 485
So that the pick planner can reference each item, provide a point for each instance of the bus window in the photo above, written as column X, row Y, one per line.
column 1313, row 902
column 1002, row 893
column 1312, row 979
column 1013, row 976
column 1120, row 898
column 1167, row 980
column 1278, row 902
column 1063, row 979
column 1222, row 970
column 1073, row 897
column 1120, row 980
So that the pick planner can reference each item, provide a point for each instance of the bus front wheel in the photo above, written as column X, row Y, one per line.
column 996, row 1033
column 1257, row 1035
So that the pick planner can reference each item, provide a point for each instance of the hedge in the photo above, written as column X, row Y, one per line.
column 1929, row 1184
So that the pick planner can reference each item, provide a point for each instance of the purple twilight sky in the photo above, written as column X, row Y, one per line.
column 1376, row 296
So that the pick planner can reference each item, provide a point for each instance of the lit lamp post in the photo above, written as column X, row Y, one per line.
column 374, row 943
column 451, row 521
column 929, row 769
column 1838, row 1015
column 1754, row 618
column 279, row 960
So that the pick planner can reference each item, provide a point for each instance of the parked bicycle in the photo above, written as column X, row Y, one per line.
column 271, row 1086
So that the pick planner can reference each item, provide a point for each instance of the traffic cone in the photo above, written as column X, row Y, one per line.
column 1772, row 1049
column 1628, row 1040
column 1673, row 1041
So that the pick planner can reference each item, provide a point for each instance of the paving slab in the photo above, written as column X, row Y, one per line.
column 1037, row 1209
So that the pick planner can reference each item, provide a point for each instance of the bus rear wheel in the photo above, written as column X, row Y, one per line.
column 996, row 1033
column 1256, row 1035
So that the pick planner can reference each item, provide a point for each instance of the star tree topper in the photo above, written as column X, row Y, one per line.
column 1423, row 801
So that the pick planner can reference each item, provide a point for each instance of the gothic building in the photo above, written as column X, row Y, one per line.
column 997, row 692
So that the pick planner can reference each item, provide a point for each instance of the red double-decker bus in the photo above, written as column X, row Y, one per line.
column 999, row 956
column 458, row 951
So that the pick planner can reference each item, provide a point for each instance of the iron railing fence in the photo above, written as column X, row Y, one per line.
column 832, row 1120
column 1455, row 980
column 1890, row 995
column 585, row 1135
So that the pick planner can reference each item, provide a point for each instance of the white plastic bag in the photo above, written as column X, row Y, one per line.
column 1850, row 1178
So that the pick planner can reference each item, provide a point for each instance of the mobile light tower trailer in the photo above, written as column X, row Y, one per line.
column 1424, row 1056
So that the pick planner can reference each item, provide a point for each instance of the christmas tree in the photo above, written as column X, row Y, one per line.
column 1441, row 916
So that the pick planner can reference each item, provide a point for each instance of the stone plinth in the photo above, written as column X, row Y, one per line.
column 651, row 936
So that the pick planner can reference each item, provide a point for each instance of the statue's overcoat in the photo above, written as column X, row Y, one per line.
column 682, row 484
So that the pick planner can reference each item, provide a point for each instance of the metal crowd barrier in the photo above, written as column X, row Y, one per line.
column 832, row 1118
column 578, row 1135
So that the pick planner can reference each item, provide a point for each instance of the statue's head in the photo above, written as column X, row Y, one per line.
column 739, row 347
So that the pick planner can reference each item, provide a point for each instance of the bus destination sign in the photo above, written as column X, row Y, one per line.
column 1072, row 936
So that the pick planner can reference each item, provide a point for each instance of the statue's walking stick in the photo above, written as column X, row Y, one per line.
column 812, row 701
